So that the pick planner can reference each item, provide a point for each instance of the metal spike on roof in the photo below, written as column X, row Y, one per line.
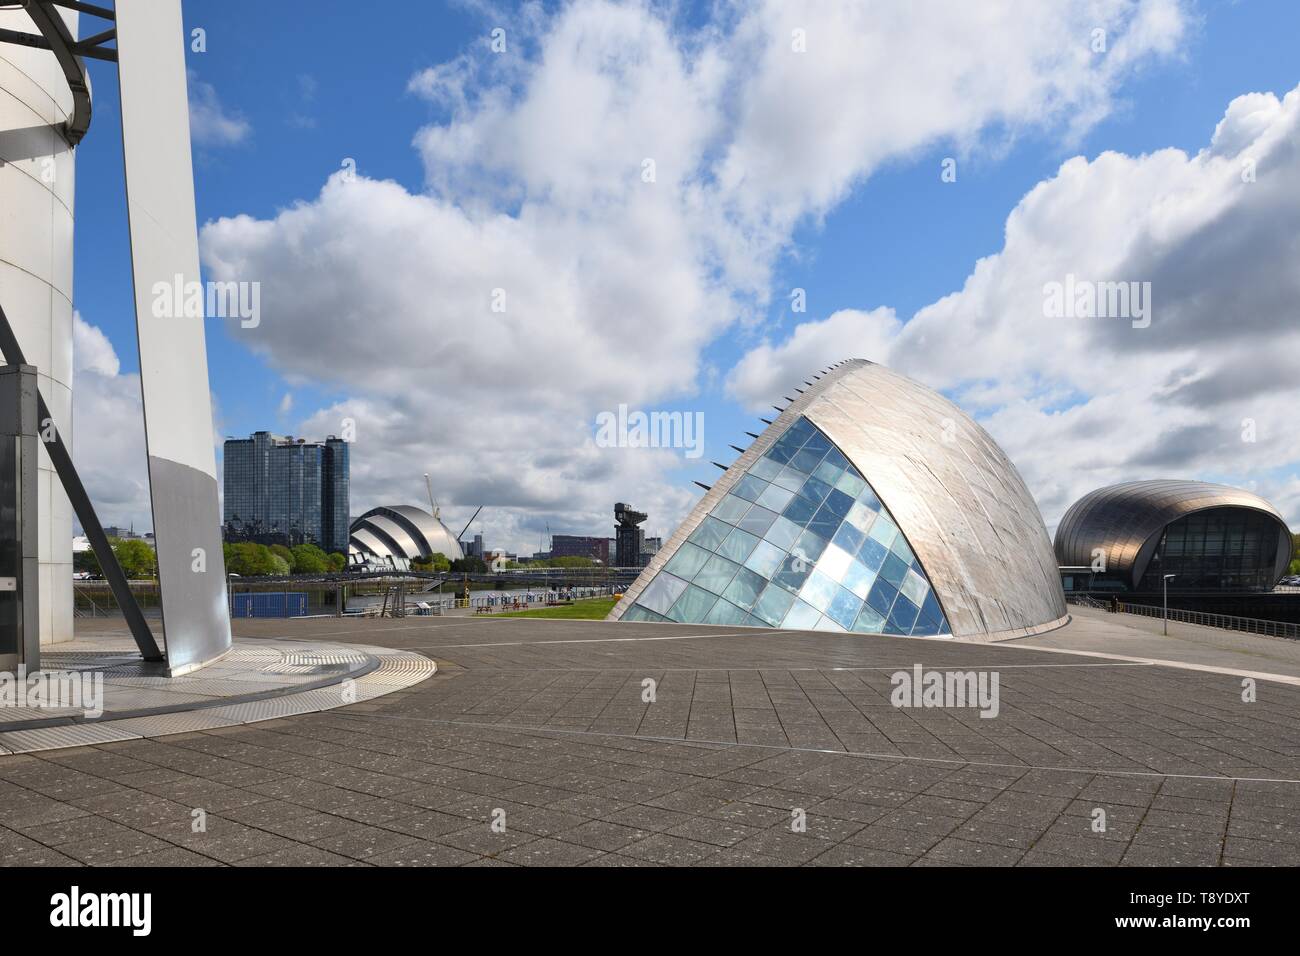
column 779, row 409
column 751, row 434
column 738, row 448
column 717, row 464
column 704, row 486
column 766, row 421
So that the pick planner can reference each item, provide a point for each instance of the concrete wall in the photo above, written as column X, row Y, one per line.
column 36, row 215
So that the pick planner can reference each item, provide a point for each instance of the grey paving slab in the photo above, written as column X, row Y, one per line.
column 546, row 721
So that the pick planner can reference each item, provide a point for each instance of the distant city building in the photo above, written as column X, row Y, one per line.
column 580, row 546
column 474, row 548
column 286, row 491
column 630, row 538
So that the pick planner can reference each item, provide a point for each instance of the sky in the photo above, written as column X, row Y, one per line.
column 480, row 227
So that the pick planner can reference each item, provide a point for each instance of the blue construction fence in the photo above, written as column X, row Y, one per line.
column 269, row 604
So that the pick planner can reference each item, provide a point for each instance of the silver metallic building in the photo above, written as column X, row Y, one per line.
column 1211, row 536
column 871, row 504
column 397, row 534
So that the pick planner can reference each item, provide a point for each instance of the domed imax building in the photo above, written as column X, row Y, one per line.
column 1127, row 537
column 871, row 504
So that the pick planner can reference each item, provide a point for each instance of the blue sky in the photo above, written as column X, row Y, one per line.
column 312, row 90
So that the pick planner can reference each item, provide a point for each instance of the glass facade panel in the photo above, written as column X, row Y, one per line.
column 693, row 606
column 716, row 574
column 818, row 550
column 687, row 561
column 1215, row 549
column 738, row 545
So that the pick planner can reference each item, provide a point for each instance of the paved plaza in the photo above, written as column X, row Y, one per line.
column 534, row 744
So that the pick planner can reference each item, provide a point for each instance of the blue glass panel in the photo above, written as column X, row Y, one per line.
column 687, row 561
column 745, row 588
column 790, row 478
column 716, row 574
column 849, row 538
column 809, row 547
column 825, row 522
column 861, row 517
column 819, row 591
column 710, row 533
column 851, row 485
column 884, row 531
column 637, row 613
column 801, row 617
column 692, row 606
column 807, row 460
column 900, row 548
column 903, row 614
column 800, row 511
column 765, row 468
column 818, row 443
column 872, row 554
column 792, row 573
column 828, row 473
column 661, row 592
column 882, row 595
column 730, row 509
column 779, row 454
column 765, row 559
column 836, row 458
column 894, row 570
column 801, row 431
column 838, row 502
column 783, row 533
column 726, row 613
column 814, row 489
column 757, row 520
column 749, row 488
column 738, row 546
column 775, row 498
column 771, row 607
column 924, row 628
column 858, row 579
column 844, row 608
column 868, row 498
column 930, row 609
column 869, row 621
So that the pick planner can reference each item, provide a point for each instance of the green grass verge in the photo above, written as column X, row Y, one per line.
column 591, row 609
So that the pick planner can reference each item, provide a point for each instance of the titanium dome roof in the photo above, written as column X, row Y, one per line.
column 1125, row 522
column 402, row 531
column 909, row 520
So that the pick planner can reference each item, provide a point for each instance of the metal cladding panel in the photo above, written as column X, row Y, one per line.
column 367, row 542
column 1124, row 521
column 388, row 529
column 413, row 529
column 963, row 507
column 173, row 355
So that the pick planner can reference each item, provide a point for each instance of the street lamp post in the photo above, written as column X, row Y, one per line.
column 1165, row 584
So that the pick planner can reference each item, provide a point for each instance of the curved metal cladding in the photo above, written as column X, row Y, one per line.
column 37, row 180
column 1125, row 522
column 922, row 519
column 403, row 531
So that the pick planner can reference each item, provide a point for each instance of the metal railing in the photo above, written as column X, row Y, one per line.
column 1227, row 622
